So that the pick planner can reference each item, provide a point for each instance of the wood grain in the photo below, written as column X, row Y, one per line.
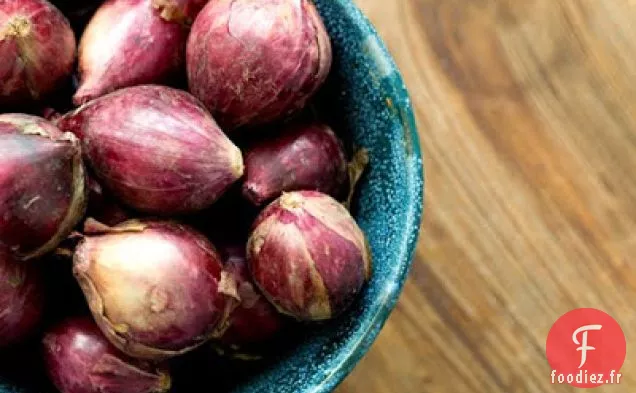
column 527, row 119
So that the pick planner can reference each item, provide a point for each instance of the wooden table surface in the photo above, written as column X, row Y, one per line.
column 527, row 119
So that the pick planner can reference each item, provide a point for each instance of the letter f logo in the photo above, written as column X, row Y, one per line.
column 583, row 344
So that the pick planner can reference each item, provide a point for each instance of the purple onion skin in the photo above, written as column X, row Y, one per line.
column 132, row 42
column 255, row 320
column 153, row 287
column 42, row 185
column 156, row 149
column 305, row 156
column 21, row 299
column 37, row 48
column 250, row 72
column 308, row 255
column 79, row 359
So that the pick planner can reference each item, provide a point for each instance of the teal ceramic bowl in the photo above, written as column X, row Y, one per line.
column 367, row 101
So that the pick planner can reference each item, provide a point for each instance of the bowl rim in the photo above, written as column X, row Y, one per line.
column 415, row 176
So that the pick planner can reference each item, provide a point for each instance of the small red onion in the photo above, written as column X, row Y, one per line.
column 79, row 359
column 156, row 149
column 308, row 255
column 303, row 157
column 132, row 42
column 255, row 61
column 154, row 288
column 255, row 320
column 21, row 299
column 42, row 185
column 37, row 48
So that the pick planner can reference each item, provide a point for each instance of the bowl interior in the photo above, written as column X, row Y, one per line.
column 366, row 102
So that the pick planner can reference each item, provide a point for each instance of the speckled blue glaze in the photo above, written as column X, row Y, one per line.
column 367, row 98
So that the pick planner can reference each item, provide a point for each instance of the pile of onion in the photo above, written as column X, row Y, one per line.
column 139, row 224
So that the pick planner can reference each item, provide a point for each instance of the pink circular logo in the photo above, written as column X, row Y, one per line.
column 586, row 348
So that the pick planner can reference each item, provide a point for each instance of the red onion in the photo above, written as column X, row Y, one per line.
column 156, row 149
column 132, row 42
column 21, row 299
column 79, row 359
column 303, row 157
column 308, row 255
column 37, row 48
column 103, row 207
column 255, row 320
column 154, row 288
column 255, row 61
column 42, row 185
